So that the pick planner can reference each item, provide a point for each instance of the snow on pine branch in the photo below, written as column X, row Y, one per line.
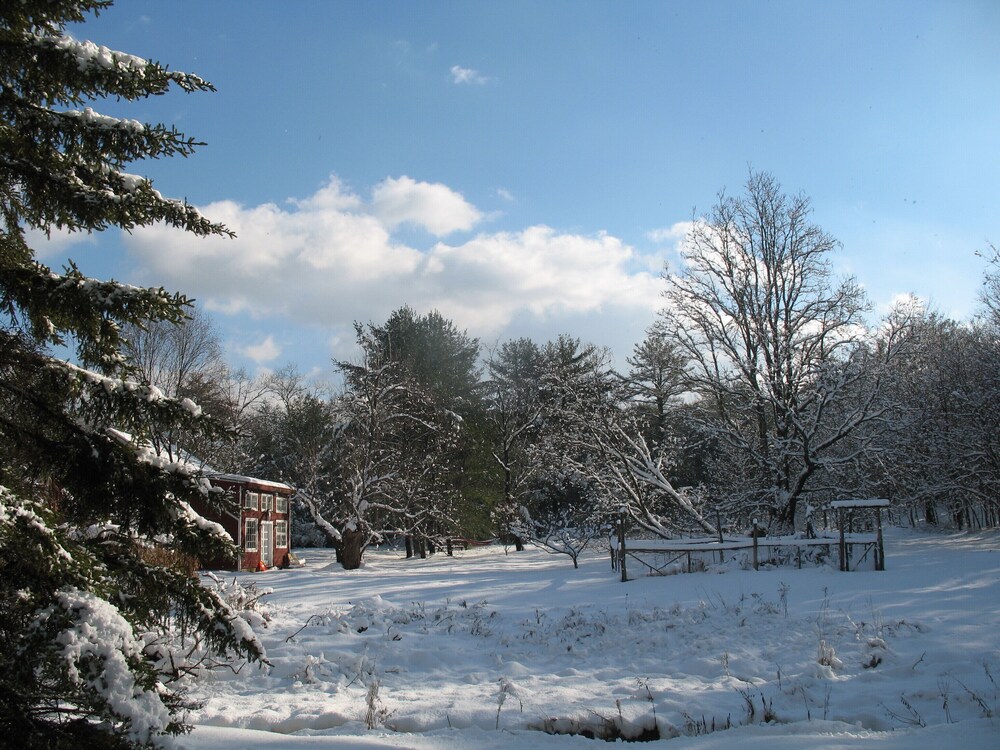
column 96, row 651
column 111, row 385
column 89, row 117
column 95, row 57
column 14, row 509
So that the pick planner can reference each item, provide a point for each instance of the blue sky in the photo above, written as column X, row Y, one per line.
column 527, row 167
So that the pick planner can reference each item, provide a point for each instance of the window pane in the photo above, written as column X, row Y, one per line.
column 250, row 537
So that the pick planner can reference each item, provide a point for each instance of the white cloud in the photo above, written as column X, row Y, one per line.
column 433, row 206
column 675, row 234
column 331, row 259
column 56, row 242
column 265, row 351
column 485, row 282
column 460, row 75
column 505, row 195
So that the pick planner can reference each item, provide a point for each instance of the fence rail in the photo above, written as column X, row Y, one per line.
column 675, row 550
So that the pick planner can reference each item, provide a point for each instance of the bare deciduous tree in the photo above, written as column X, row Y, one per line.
column 771, row 337
column 182, row 360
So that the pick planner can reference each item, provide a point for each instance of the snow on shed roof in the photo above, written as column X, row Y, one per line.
column 874, row 502
column 252, row 480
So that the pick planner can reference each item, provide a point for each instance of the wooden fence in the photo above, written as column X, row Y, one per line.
column 657, row 555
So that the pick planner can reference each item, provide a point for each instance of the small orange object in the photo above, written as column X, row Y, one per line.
column 261, row 566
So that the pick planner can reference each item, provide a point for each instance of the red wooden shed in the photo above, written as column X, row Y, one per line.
column 258, row 516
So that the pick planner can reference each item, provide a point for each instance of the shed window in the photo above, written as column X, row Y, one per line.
column 281, row 534
column 250, row 500
column 250, row 535
column 266, row 501
column 281, row 504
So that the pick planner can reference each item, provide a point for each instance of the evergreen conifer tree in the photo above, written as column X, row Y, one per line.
column 94, row 635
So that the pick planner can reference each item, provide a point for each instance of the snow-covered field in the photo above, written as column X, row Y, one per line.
column 487, row 650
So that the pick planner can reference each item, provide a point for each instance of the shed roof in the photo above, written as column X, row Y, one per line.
column 241, row 479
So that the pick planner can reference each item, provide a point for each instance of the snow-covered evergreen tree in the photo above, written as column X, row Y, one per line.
column 513, row 415
column 594, row 432
column 93, row 634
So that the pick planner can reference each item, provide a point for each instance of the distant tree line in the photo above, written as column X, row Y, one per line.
column 761, row 391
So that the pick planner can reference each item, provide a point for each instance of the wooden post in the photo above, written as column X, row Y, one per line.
column 621, row 546
column 843, row 542
column 448, row 548
column 879, row 548
column 718, row 528
column 753, row 534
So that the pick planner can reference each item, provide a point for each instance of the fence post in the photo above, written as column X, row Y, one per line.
column 843, row 542
column 621, row 545
column 879, row 547
column 753, row 534
column 718, row 528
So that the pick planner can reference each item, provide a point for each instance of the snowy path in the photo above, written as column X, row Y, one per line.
column 458, row 647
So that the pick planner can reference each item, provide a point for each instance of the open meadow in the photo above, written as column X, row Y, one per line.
column 494, row 650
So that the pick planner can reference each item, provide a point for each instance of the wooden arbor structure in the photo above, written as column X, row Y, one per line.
column 846, row 512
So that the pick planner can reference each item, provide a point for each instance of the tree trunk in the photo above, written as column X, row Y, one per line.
column 352, row 548
column 409, row 547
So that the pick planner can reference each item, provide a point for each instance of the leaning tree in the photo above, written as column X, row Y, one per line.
column 94, row 633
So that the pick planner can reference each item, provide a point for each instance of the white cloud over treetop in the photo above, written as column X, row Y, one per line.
column 266, row 351
column 435, row 207
column 675, row 234
column 331, row 259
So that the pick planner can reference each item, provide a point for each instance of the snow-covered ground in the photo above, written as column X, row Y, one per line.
column 487, row 650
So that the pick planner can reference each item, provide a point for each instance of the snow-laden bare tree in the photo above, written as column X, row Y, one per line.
column 772, row 339
column 94, row 628
column 990, row 294
column 593, row 429
column 294, row 437
column 942, row 455
column 390, row 457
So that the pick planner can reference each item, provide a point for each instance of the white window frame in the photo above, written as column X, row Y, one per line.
column 281, row 534
column 266, row 502
column 250, row 500
column 280, row 504
column 248, row 524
